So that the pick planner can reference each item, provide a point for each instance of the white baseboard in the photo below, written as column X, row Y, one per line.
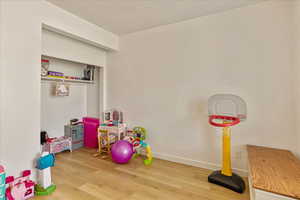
column 196, row 163
column 263, row 195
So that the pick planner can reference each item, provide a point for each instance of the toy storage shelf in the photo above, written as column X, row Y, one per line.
column 66, row 80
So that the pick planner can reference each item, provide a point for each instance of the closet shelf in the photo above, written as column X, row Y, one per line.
column 66, row 80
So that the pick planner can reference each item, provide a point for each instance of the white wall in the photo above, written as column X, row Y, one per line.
column 57, row 111
column 59, row 46
column 20, row 108
column 94, row 96
column 163, row 77
column 21, row 27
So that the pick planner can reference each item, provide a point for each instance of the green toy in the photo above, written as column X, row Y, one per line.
column 40, row 191
column 140, row 134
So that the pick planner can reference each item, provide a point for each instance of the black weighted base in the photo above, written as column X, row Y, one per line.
column 234, row 182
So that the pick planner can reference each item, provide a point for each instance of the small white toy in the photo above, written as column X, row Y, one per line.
column 44, row 164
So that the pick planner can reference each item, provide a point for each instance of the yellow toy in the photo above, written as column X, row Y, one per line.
column 105, row 139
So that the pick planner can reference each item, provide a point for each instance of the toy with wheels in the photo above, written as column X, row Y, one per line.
column 226, row 110
column 140, row 147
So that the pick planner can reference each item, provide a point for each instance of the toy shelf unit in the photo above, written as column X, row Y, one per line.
column 54, row 69
column 75, row 132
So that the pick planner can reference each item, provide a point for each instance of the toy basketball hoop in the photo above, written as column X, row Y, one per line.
column 226, row 120
column 227, row 107
column 226, row 110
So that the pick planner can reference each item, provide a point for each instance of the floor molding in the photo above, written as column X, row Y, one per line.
column 196, row 163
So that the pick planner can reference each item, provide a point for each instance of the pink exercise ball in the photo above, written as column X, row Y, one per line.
column 121, row 151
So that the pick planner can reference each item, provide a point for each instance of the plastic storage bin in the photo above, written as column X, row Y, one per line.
column 90, row 132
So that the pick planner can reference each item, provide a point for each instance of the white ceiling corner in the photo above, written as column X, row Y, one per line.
column 127, row 16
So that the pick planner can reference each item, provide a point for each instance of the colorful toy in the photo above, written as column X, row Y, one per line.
column 121, row 151
column 112, row 130
column 114, row 116
column 45, row 161
column 105, row 139
column 20, row 188
column 44, row 67
column 2, row 183
column 140, row 132
column 139, row 145
column 119, row 130
column 226, row 110
column 54, row 73
column 56, row 145
column 148, row 154
column 44, row 164
column 113, row 127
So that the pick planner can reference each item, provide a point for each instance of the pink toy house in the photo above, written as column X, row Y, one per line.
column 20, row 188
column 90, row 132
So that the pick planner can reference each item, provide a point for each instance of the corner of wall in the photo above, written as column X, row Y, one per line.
column 58, row 20
column 295, row 10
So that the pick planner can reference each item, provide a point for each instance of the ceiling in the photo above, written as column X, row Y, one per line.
column 127, row 16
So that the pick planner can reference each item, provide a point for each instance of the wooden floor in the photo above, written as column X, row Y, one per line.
column 80, row 176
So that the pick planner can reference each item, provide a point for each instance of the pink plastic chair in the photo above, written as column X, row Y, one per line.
column 90, row 132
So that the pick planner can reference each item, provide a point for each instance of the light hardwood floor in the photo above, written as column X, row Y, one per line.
column 79, row 175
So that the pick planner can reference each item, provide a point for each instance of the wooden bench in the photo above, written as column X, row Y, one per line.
column 274, row 174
